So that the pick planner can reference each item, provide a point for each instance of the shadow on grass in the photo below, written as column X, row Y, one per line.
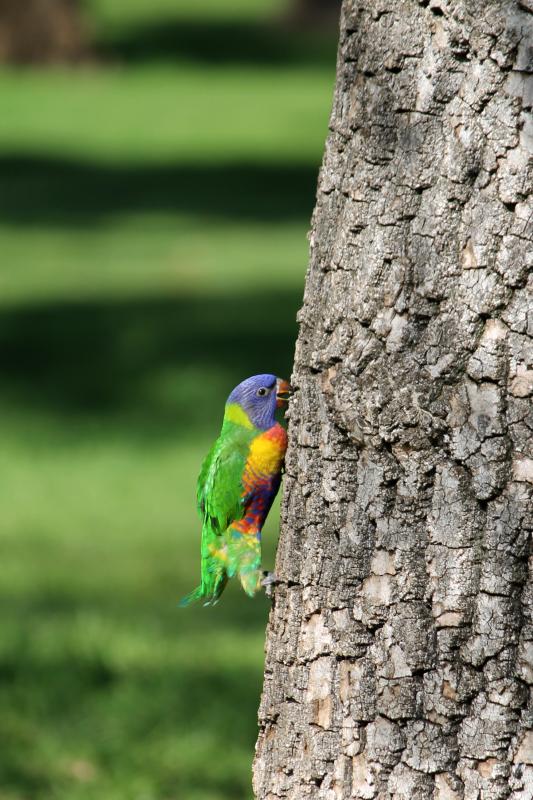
column 105, row 357
column 56, row 191
column 126, row 723
column 133, row 693
column 223, row 42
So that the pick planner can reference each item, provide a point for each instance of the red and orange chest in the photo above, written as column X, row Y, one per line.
column 267, row 452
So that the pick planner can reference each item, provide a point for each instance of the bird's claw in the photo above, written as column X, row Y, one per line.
column 268, row 582
column 269, row 578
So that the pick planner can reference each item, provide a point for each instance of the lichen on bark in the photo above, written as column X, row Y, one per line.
column 399, row 659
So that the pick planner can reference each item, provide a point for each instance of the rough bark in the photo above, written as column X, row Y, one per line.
column 41, row 31
column 399, row 656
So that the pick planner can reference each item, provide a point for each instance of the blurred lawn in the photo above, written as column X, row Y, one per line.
column 153, row 212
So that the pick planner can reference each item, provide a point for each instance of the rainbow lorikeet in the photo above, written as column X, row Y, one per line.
column 238, row 482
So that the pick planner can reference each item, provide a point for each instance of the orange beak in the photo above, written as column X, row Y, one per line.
column 283, row 392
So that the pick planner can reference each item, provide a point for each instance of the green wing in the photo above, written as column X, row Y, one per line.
column 220, row 502
column 220, row 488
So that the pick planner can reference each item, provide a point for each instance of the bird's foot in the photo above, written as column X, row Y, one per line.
column 269, row 581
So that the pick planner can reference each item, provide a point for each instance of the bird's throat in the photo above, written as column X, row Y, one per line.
column 236, row 414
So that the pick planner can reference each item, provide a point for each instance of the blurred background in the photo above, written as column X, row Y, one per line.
column 158, row 163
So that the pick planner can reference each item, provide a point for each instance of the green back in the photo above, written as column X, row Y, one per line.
column 219, row 488
column 220, row 502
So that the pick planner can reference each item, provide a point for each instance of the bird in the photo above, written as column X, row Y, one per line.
column 238, row 482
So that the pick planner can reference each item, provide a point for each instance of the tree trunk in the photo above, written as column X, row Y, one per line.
column 41, row 31
column 400, row 646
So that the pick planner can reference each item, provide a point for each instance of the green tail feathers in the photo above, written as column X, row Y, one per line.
column 222, row 558
column 210, row 594
column 192, row 597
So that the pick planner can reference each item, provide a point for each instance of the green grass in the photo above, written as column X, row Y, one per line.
column 120, row 14
column 161, row 113
column 153, row 222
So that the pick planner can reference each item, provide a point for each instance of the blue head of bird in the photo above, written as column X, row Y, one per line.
column 258, row 397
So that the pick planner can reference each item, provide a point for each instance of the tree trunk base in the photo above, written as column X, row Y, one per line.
column 41, row 31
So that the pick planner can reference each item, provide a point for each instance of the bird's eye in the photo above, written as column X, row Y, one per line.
column 262, row 391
